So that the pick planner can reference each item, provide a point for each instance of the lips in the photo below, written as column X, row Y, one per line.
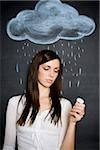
column 49, row 80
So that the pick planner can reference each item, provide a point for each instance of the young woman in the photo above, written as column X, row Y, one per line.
column 42, row 119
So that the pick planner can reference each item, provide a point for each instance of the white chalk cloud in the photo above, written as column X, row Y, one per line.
column 48, row 22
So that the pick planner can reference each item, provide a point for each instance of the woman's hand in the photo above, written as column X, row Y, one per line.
column 77, row 112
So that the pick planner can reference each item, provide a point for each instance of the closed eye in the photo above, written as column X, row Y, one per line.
column 46, row 68
column 56, row 71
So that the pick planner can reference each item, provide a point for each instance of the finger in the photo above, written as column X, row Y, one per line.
column 79, row 104
column 77, row 116
column 78, row 110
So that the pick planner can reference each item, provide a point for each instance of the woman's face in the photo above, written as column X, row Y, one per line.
column 48, row 72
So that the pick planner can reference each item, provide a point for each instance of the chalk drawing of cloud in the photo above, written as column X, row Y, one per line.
column 48, row 22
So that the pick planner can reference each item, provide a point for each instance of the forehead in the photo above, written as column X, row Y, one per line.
column 52, row 63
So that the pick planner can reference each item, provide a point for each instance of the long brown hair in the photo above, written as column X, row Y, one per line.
column 32, row 91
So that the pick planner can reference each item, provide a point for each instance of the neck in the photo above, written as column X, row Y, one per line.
column 43, row 91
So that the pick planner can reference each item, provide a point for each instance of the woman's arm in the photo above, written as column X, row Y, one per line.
column 10, row 128
column 76, row 115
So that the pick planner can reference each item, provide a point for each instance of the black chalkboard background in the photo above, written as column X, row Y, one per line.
column 13, row 80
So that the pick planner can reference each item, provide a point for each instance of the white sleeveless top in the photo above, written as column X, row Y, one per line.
column 42, row 135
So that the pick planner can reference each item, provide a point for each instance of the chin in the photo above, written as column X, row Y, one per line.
column 47, row 85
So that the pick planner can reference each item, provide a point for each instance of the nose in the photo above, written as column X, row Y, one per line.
column 51, row 73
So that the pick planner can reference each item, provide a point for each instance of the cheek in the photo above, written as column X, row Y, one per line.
column 41, row 75
column 55, row 77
